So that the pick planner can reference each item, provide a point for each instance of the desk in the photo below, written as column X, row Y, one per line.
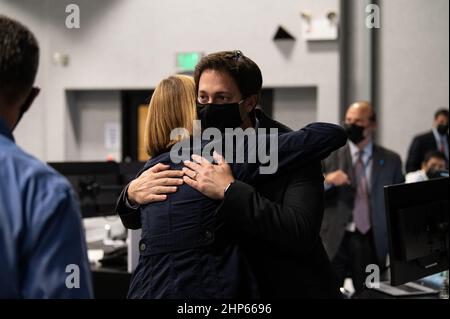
column 375, row 294
column 110, row 283
column 110, row 279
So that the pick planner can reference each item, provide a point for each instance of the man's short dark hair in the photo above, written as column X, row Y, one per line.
column 440, row 112
column 433, row 154
column 242, row 70
column 19, row 59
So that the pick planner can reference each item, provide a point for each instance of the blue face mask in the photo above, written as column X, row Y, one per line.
column 219, row 116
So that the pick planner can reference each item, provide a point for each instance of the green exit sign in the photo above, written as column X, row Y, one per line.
column 186, row 61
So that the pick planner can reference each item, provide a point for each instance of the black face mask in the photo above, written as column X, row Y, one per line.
column 26, row 105
column 354, row 132
column 219, row 116
column 432, row 173
column 442, row 129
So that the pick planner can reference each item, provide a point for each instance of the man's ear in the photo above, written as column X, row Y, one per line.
column 250, row 103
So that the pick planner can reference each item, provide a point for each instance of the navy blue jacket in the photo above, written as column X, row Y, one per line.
column 187, row 250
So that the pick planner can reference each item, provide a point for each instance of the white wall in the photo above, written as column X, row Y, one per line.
column 295, row 107
column 414, row 68
column 31, row 131
column 132, row 44
column 94, row 114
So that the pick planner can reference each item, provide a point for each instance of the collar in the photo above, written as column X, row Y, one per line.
column 266, row 122
column 4, row 130
column 368, row 150
column 438, row 137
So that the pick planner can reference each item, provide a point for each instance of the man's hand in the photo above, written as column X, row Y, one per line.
column 153, row 184
column 210, row 180
column 337, row 178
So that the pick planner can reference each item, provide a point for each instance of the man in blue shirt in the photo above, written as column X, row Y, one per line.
column 42, row 242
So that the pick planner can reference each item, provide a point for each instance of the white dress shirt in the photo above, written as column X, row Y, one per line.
column 417, row 176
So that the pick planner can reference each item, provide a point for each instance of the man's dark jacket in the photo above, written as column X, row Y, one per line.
column 421, row 145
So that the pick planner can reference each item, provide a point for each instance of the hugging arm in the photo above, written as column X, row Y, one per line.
column 295, row 149
column 151, row 185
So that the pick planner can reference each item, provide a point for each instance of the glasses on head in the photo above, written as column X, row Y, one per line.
column 236, row 55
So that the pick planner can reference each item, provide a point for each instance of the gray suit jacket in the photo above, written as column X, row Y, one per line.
column 386, row 170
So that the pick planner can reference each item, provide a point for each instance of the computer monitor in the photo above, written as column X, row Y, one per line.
column 129, row 170
column 417, row 220
column 97, row 184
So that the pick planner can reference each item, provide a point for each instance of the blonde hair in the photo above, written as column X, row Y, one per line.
column 171, row 106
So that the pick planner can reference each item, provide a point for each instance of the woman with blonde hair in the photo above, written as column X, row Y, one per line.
column 171, row 106
column 186, row 249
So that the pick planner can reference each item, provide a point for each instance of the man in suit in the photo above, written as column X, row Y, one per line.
column 278, row 222
column 354, row 228
column 434, row 140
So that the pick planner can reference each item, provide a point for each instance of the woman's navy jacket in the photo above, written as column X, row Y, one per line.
column 186, row 250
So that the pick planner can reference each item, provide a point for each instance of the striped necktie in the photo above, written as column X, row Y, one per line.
column 361, row 210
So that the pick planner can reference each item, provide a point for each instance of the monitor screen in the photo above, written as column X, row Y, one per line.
column 417, row 219
column 97, row 184
column 129, row 170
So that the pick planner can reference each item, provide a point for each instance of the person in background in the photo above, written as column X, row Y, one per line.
column 432, row 165
column 436, row 139
column 354, row 229
column 42, row 242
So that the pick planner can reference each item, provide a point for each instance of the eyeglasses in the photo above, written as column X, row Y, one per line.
column 236, row 55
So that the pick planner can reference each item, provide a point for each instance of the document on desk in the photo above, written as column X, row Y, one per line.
column 94, row 255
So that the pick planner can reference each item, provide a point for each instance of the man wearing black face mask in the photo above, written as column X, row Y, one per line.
column 354, row 226
column 437, row 139
column 40, row 226
column 277, row 222
column 433, row 166
column 219, row 116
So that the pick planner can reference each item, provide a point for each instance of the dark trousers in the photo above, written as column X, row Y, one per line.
column 354, row 254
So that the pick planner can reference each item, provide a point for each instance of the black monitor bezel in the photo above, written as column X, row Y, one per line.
column 399, row 196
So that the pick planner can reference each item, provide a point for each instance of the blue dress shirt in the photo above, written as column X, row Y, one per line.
column 42, row 242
